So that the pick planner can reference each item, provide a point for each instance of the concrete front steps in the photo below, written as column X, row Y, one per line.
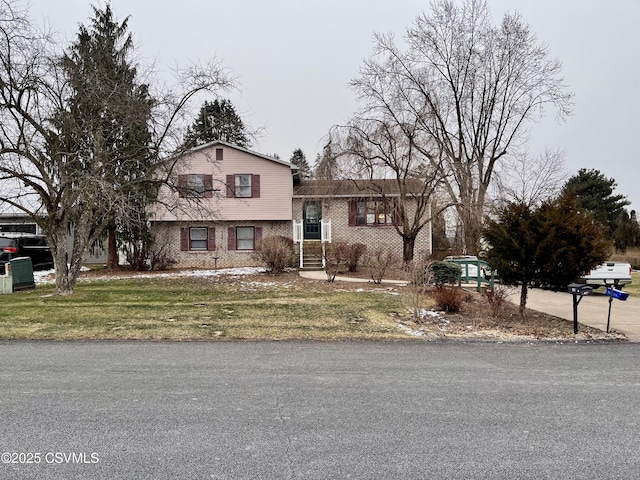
column 312, row 255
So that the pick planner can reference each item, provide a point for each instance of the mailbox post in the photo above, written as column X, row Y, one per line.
column 578, row 290
column 613, row 292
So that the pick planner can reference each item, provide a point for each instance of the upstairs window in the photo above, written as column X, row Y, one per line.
column 243, row 186
column 195, row 185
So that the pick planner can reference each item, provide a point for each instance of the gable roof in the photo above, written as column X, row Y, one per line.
column 353, row 188
column 241, row 149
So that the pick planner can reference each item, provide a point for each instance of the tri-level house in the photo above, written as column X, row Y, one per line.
column 229, row 198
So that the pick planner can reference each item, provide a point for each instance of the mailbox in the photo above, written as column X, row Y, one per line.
column 619, row 294
column 580, row 289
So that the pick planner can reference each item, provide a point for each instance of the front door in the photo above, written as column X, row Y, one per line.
column 311, row 216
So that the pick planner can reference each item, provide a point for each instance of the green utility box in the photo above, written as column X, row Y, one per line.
column 22, row 273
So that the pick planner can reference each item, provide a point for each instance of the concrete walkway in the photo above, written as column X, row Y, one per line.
column 322, row 275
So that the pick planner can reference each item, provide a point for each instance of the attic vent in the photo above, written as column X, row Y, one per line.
column 219, row 155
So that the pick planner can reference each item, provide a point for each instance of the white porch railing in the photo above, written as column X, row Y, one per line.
column 298, row 234
column 298, row 237
column 325, row 237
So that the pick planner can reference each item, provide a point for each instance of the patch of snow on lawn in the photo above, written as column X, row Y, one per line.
column 415, row 333
column 44, row 276
column 48, row 276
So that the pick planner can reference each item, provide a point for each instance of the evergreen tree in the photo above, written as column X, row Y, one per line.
column 326, row 164
column 627, row 231
column 111, row 111
column 298, row 158
column 549, row 246
column 595, row 192
column 217, row 120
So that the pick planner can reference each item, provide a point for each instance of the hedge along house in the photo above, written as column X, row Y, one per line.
column 227, row 199
column 353, row 211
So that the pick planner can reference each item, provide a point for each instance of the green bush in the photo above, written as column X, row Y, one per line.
column 446, row 273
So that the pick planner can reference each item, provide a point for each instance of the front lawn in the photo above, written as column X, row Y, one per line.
column 196, row 308
column 260, row 307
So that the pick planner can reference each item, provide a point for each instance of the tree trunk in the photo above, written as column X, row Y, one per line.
column 523, row 300
column 408, row 246
column 65, row 276
column 58, row 245
column 112, row 249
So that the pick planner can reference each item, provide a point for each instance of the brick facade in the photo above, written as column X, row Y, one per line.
column 168, row 234
column 374, row 237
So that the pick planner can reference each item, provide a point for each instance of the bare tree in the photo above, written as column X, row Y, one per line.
column 527, row 180
column 379, row 147
column 51, row 167
column 474, row 86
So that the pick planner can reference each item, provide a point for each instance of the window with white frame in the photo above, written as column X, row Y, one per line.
column 245, row 238
column 198, row 238
column 243, row 186
column 195, row 186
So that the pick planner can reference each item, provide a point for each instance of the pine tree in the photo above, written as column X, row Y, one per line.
column 217, row 120
column 111, row 111
column 300, row 160
column 549, row 246
column 326, row 164
column 595, row 192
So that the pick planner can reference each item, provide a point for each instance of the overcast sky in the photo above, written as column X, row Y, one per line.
column 294, row 59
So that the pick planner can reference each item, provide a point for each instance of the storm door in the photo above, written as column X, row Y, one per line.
column 311, row 216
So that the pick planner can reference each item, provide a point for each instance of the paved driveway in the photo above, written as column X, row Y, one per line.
column 592, row 310
column 295, row 410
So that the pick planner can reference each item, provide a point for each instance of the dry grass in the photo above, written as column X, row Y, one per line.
column 477, row 319
column 632, row 255
column 262, row 307
column 200, row 308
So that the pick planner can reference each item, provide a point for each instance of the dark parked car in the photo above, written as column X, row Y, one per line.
column 14, row 245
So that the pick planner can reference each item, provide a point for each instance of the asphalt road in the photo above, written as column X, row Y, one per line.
column 293, row 410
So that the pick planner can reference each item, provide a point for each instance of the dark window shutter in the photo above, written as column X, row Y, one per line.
column 397, row 210
column 255, row 186
column 219, row 154
column 232, row 238
column 184, row 239
column 211, row 238
column 208, row 186
column 353, row 212
column 231, row 186
column 257, row 237
column 182, row 185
